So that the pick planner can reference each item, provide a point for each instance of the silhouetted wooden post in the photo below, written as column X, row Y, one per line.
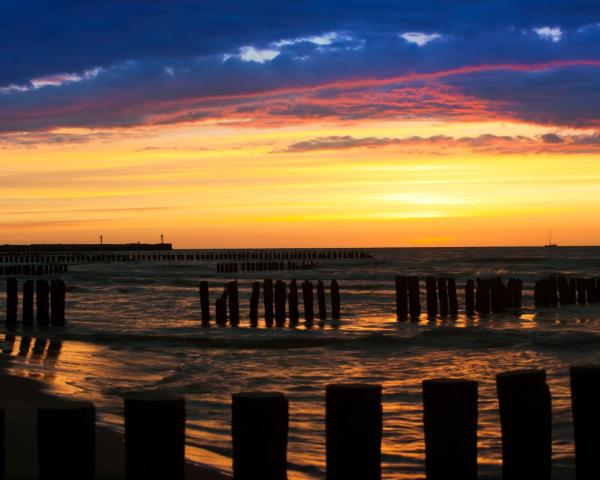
column 450, row 424
column 321, row 300
column 442, row 288
column 452, row 298
column 204, row 302
column 42, row 292
column 154, row 436
column 221, row 310
column 259, row 429
column 28, row 289
column 280, row 298
column 590, row 290
column 430, row 287
column 293, row 303
column 3, row 430
column 518, row 293
column 482, row 296
column 573, row 290
column 563, row 291
column 335, row 300
column 414, row 297
column 66, row 441
column 254, row 300
column 553, row 288
column 12, row 301
column 268, row 301
column 585, row 398
column 526, row 421
column 57, row 299
column 307, row 297
column 470, row 297
column 580, row 291
column 497, row 295
column 401, row 297
column 234, row 303
column 353, row 431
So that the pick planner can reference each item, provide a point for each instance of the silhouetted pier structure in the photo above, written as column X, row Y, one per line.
column 155, row 423
column 235, row 267
column 50, row 299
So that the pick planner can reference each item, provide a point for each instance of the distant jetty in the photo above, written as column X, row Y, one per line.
column 86, row 247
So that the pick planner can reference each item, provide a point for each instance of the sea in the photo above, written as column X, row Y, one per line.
column 136, row 325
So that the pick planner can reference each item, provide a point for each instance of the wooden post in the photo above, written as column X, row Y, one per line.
column 518, row 293
column 233, row 299
column 581, row 291
column 335, row 300
column 254, row 300
column 42, row 292
column 307, row 297
column 154, row 436
column 442, row 288
column 221, row 310
column 452, row 297
column 353, row 431
column 401, row 297
column 553, row 290
column 268, row 301
column 293, row 303
column 470, row 297
column 590, row 290
column 57, row 298
column 450, row 424
column 280, row 298
column 12, row 301
column 497, row 295
column 28, row 289
column 66, row 441
column 585, row 398
column 414, row 297
column 526, row 421
column 564, row 296
column 259, row 429
column 430, row 286
column 321, row 301
column 204, row 302
column 482, row 296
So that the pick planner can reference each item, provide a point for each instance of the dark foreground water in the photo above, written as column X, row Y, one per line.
column 136, row 325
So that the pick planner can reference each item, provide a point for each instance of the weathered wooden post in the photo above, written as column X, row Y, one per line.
column 580, row 291
column 280, row 300
column 293, row 303
column 590, row 290
column 12, row 301
column 221, row 310
column 254, row 300
column 233, row 299
column 430, row 287
column 564, row 296
column 452, row 297
column 482, row 296
column 585, row 398
column 573, row 290
column 450, row 424
column 442, row 288
column 497, row 295
column 321, row 301
column 518, row 293
column 470, row 297
column 553, row 289
column 259, row 429
column 526, row 421
column 57, row 299
column 307, row 297
column 335, row 300
column 204, row 302
column 401, row 297
column 414, row 297
column 28, row 289
column 66, row 441
column 268, row 301
column 42, row 292
column 154, row 436
column 353, row 431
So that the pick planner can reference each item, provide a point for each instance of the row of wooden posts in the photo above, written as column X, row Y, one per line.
column 234, row 267
column 155, row 431
column 276, row 297
column 552, row 291
column 49, row 302
column 33, row 269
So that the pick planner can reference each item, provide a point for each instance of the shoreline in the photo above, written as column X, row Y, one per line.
column 20, row 398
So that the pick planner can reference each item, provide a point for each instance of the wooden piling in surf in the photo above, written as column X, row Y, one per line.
column 483, row 296
column 12, row 301
column 221, row 309
column 353, row 422
column 154, row 436
column 401, row 283
column 585, row 398
column 268, row 302
column 450, row 424
column 66, row 444
column 452, row 297
column 259, row 430
column 470, row 297
column 321, row 301
column 335, row 299
column 526, row 423
column 293, row 303
column 280, row 301
column 254, row 301
column 431, row 295
column 497, row 288
column 442, row 288
column 57, row 302
column 233, row 300
column 204, row 302
column 414, row 297
column 590, row 290
column 564, row 296
column 573, row 290
column 42, row 292
column 307, row 297
column 28, row 289
column 580, row 282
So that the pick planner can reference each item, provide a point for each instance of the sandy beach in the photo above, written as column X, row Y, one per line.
column 20, row 399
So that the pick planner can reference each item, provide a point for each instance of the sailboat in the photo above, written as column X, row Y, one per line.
column 549, row 243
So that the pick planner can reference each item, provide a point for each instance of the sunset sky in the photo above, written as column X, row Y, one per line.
column 300, row 123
